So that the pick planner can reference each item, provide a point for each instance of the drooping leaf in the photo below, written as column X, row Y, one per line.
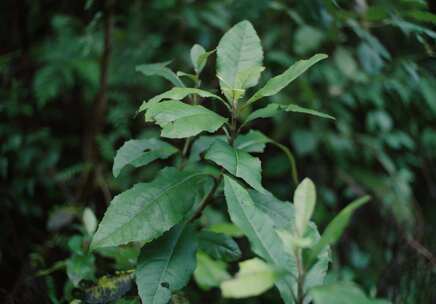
column 219, row 246
column 304, row 204
column 277, row 83
column 209, row 273
column 254, row 141
column 239, row 52
column 237, row 162
column 109, row 288
column 166, row 265
column 180, row 120
column 177, row 94
column 335, row 228
column 140, row 152
column 298, row 109
column 342, row 293
column 254, row 278
column 147, row 210
column 160, row 69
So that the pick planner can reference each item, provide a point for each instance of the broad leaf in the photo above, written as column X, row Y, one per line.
column 239, row 55
column 180, row 120
column 177, row 94
column 160, row 69
column 304, row 203
column 254, row 278
column 237, row 162
column 335, row 228
column 219, row 246
column 342, row 293
column 277, row 83
column 166, row 265
column 253, row 141
column 199, row 57
column 202, row 143
column 140, row 152
column 209, row 273
column 147, row 210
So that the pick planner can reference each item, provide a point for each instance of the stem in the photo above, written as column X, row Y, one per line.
column 301, row 277
column 294, row 172
column 205, row 201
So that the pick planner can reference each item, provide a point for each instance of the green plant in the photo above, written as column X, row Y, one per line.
column 163, row 215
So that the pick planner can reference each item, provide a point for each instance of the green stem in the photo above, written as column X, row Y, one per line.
column 292, row 163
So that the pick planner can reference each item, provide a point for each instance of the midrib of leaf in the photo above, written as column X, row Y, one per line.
column 237, row 162
column 156, row 198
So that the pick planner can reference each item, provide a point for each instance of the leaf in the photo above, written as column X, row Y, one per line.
column 80, row 267
column 341, row 293
column 227, row 229
column 109, row 289
column 147, row 210
column 261, row 231
column 160, row 69
column 140, row 152
column 254, row 278
column 239, row 52
column 177, row 94
column 180, row 120
column 202, row 143
column 219, row 246
column 199, row 57
column 89, row 221
column 166, row 265
column 277, row 83
column 254, row 141
column 304, row 203
column 209, row 273
column 298, row 109
column 335, row 228
column 237, row 162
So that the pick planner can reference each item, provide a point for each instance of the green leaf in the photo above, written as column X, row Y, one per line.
column 335, row 228
column 239, row 52
column 342, row 293
column 180, row 120
column 160, row 69
column 297, row 109
column 304, row 203
column 147, row 210
column 227, row 229
column 277, row 83
column 89, row 221
column 219, row 246
column 209, row 273
column 140, row 152
column 260, row 229
column 254, row 278
column 254, row 141
column 202, row 143
column 237, row 162
column 166, row 265
column 199, row 57
column 81, row 267
column 177, row 94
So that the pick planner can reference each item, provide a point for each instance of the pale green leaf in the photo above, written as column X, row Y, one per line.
column 147, row 210
column 199, row 57
column 304, row 203
column 227, row 229
column 239, row 51
column 180, row 120
column 254, row 141
column 166, row 265
column 209, row 273
column 89, row 221
column 335, row 228
column 237, row 162
column 254, row 278
column 177, row 94
column 277, row 83
column 219, row 246
column 140, row 152
column 342, row 293
column 160, row 69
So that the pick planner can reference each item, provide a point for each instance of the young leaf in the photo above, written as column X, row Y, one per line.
column 254, row 141
column 140, row 152
column 199, row 57
column 160, row 69
column 177, row 94
column 166, row 265
column 335, row 228
column 254, row 278
column 209, row 273
column 237, row 162
column 239, row 51
column 89, row 221
column 304, row 203
column 180, row 120
column 147, row 210
column 341, row 293
column 277, row 83
column 219, row 246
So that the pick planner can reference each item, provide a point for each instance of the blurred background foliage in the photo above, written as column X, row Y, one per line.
column 56, row 154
